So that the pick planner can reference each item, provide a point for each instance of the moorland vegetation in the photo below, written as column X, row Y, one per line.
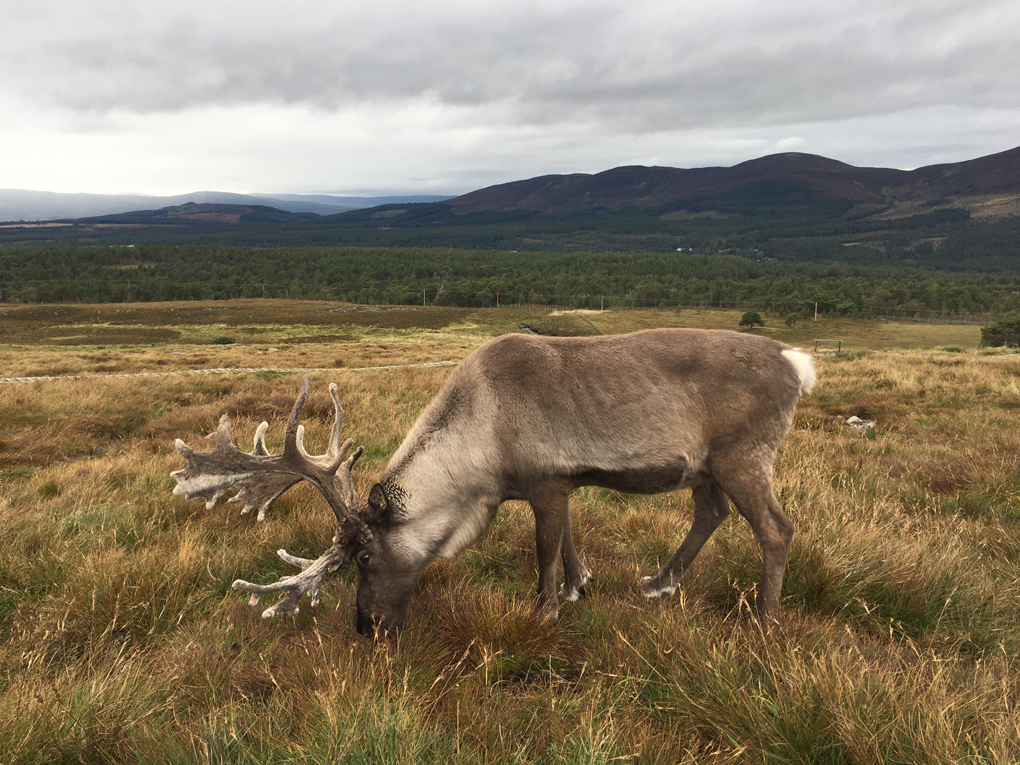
column 121, row 639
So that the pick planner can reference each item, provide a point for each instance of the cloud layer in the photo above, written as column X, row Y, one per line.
column 451, row 95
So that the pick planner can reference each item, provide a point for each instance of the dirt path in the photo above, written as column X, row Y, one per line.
column 222, row 370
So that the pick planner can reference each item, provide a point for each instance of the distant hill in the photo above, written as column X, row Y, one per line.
column 23, row 205
column 192, row 212
column 985, row 186
column 791, row 207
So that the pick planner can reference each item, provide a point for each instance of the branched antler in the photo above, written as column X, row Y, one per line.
column 260, row 478
column 309, row 580
column 259, row 482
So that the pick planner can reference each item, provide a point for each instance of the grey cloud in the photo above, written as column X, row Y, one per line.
column 643, row 66
column 451, row 95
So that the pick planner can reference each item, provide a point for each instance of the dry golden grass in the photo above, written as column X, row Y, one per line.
column 40, row 341
column 121, row 640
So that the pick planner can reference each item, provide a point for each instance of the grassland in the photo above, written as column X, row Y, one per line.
column 54, row 340
column 121, row 640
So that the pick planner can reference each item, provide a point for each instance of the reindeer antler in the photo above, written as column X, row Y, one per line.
column 260, row 478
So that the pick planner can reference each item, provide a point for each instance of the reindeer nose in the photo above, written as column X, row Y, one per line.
column 376, row 626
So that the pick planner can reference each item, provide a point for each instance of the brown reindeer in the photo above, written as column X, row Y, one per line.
column 534, row 418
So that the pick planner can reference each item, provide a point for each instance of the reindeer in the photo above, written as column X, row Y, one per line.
column 533, row 418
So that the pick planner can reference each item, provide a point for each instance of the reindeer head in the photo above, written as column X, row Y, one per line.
column 388, row 567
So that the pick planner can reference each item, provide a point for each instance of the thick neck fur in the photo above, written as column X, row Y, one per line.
column 440, row 483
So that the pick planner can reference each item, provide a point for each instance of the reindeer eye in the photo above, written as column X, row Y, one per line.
column 364, row 558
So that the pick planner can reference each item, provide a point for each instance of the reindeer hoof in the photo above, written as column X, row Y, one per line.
column 573, row 594
column 653, row 587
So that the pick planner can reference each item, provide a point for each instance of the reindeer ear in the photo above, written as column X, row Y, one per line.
column 377, row 501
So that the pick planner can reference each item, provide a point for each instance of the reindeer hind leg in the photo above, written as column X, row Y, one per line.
column 710, row 509
column 751, row 492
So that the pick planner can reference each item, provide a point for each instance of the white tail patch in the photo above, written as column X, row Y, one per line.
column 805, row 367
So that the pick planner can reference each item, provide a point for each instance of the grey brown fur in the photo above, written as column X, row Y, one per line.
column 533, row 418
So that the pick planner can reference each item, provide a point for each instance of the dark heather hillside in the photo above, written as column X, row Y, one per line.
column 828, row 178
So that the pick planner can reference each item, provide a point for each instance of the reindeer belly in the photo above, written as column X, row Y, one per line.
column 638, row 480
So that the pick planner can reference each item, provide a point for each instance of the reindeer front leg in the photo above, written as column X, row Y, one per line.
column 575, row 574
column 550, row 503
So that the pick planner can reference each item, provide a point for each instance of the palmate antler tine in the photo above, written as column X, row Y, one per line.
column 344, row 477
column 334, row 449
column 212, row 474
column 309, row 581
column 260, row 491
column 259, row 477
column 290, row 436
column 217, row 471
column 259, row 448
column 335, row 452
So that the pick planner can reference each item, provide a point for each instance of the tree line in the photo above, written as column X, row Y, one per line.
column 480, row 278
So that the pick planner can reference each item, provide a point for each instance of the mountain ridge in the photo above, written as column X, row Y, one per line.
column 988, row 185
column 642, row 186
column 782, row 206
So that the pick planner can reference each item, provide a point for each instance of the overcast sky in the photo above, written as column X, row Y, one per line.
column 447, row 96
